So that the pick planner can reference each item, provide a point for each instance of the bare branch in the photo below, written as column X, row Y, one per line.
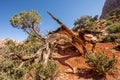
column 24, row 58
column 77, row 41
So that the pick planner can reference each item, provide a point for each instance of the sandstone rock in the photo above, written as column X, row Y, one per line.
column 75, row 70
column 109, row 6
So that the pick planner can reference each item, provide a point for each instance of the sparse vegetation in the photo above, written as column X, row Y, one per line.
column 114, row 28
column 27, row 47
column 100, row 62
column 10, row 69
column 46, row 73
column 19, row 60
column 112, row 37
column 32, row 57
column 84, row 23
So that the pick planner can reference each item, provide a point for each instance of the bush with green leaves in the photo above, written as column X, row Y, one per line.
column 84, row 22
column 112, row 38
column 18, row 73
column 100, row 62
column 10, row 65
column 114, row 28
column 29, row 46
column 10, row 70
column 23, row 61
column 49, row 72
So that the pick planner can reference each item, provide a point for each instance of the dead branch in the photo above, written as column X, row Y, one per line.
column 23, row 58
column 77, row 41
column 21, row 64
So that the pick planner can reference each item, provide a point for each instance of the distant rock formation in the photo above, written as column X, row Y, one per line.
column 109, row 6
column 4, row 41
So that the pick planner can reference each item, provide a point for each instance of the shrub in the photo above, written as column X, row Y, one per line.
column 6, row 65
column 106, row 39
column 84, row 23
column 9, row 70
column 18, row 73
column 29, row 46
column 100, row 63
column 112, row 37
column 114, row 28
column 46, row 72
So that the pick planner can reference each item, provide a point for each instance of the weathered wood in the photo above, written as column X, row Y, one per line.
column 77, row 41
column 23, row 58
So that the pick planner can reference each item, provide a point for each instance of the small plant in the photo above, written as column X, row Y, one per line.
column 100, row 63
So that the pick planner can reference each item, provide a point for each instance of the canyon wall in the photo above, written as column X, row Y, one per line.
column 109, row 6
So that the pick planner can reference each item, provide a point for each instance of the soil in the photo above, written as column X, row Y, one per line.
column 73, row 66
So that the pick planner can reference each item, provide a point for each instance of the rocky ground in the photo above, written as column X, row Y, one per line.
column 68, row 59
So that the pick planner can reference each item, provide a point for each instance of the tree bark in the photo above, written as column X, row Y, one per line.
column 76, row 40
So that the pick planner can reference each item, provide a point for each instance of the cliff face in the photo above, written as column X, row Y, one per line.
column 109, row 6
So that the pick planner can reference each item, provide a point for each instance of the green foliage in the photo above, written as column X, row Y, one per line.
column 114, row 32
column 28, row 22
column 18, row 73
column 25, row 19
column 114, row 28
column 12, row 67
column 109, row 22
column 85, row 22
column 9, row 69
column 100, row 63
column 46, row 72
column 29, row 46
column 9, row 47
column 111, row 37
column 6, row 65
column 106, row 39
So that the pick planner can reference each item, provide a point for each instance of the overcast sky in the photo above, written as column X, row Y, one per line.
column 66, row 10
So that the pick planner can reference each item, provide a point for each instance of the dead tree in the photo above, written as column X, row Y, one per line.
column 77, row 41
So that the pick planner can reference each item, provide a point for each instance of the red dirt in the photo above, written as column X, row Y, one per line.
column 69, row 59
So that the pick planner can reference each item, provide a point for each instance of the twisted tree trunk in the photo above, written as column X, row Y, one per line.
column 76, row 41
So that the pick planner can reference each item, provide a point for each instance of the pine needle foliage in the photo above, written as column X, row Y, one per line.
column 46, row 73
column 100, row 62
